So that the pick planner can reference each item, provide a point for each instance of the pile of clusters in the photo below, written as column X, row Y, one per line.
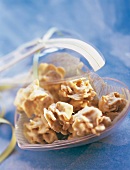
column 69, row 109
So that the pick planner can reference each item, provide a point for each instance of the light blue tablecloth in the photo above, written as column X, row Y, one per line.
column 106, row 25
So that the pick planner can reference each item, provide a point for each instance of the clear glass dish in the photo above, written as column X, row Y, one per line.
column 76, row 60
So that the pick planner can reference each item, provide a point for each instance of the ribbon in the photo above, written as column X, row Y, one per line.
column 12, row 143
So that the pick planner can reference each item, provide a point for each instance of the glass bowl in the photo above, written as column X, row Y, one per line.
column 79, row 59
column 102, row 86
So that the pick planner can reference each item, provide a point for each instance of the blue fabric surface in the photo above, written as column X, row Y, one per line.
column 105, row 24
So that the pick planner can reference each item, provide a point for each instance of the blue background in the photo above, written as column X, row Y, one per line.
column 103, row 23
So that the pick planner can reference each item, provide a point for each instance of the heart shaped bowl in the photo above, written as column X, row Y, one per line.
column 78, row 59
column 102, row 86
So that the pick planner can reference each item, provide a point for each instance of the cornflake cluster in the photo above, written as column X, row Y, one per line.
column 64, row 110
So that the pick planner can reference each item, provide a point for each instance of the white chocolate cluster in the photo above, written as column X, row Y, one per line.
column 49, row 72
column 33, row 99
column 87, row 121
column 77, row 90
column 71, row 109
column 78, row 93
column 112, row 104
column 59, row 116
column 37, row 130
